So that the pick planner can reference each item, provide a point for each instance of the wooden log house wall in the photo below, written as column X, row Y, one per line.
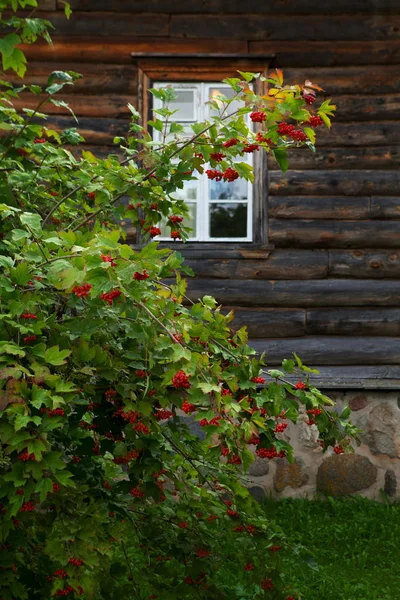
column 330, row 287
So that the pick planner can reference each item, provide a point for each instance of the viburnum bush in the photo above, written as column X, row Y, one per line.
column 104, row 491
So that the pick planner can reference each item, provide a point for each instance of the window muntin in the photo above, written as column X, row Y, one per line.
column 220, row 211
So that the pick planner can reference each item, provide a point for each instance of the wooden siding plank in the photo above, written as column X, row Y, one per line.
column 363, row 80
column 354, row 377
column 119, row 51
column 383, row 133
column 291, row 27
column 336, row 182
column 112, row 106
column 280, row 264
column 318, row 54
column 334, row 234
column 380, row 264
column 96, row 131
column 352, row 107
column 315, row 292
column 44, row 5
column 370, row 157
column 274, row 322
column 301, row 7
column 385, row 207
column 122, row 24
column 353, row 321
column 332, row 350
column 318, row 207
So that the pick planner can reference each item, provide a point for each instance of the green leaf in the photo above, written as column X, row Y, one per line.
column 310, row 133
column 280, row 155
column 32, row 221
column 55, row 356
column 11, row 348
column 6, row 261
column 206, row 388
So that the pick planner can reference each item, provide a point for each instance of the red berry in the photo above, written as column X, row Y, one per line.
column 338, row 450
column 140, row 276
column 258, row 116
column 217, row 156
column 28, row 316
column 82, row 291
column 175, row 235
column 249, row 567
column 154, row 231
column 29, row 338
column 180, row 380
column 267, row 584
column 109, row 296
column 188, row 408
column 258, row 380
column 230, row 175
column 300, row 385
column 231, row 142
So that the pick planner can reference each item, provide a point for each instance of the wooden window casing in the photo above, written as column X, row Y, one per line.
column 211, row 68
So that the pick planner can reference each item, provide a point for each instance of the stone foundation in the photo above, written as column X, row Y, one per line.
column 375, row 466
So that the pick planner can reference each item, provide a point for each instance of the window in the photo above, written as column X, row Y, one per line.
column 220, row 211
column 228, row 221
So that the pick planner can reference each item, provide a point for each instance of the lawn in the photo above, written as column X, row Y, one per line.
column 355, row 544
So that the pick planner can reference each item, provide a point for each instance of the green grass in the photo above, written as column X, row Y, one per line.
column 354, row 542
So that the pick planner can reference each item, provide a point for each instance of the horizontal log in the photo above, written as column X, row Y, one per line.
column 383, row 133
column 354, row 107
column 44, row 5
column 336, row 182
column 354, row 377
column 280, row 264
column 334, row 234
column 274, row 322
column 385, row 207
column 114, row 50
column 332, row 350
column 95, row 131
column 364, row 79
column 111, row 106
column 359, row 157
column 282, row 27
column 353, row 321
column 121, row 24
column 318, row 207
column 315, row 292
column 302, row 7
column 360, row 264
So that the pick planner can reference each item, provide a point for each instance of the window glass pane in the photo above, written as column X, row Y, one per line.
column 216, row 92
column 228, row 220
column 188, row 222
column 184, row 104
column 225, row 190
column 189, row 191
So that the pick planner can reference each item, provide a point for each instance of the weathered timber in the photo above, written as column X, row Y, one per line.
column 309, row 54
column 362, row 264
column 97, row 78
column 353, row 321
column 354, row 377
column 315, row 292
column 280, row 264
column 117, row 51
column 336, row 182
column 44, row 5
column 332, row 350
column 370, row 157
column 94, row 130
column 362, row 80
column 334, row 234
column 301, row 7
column 385, row 207
column 110, row 106
column 383, row 133
column 121, row 24
column 354, row 107
column 318, row 207
column 274, row 322
column 325, row 54
column 282, row 27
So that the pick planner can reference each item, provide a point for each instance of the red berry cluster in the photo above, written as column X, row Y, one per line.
column 296, row 134
column 267, row 584
column 314, row 121
column 91, row 195
column 251, row 148
column 25, row 456
column 280, row 427
column 77, row 562
column 225, row 392
column 28, row 316
column 183, row 525
column 338, row 449
column 258, row 379
column 270, row 453
column 108, row 259
column 65, row 591
column 234, row 460
column 109, row 296
column 188, row 408
column 39, row 140
column 131, row 416
column 314, row 411
column 228, row 175
column 163, row 413
column 258, row 116
column 136, row 492
column 140, row 276
column 124, row 460
column 202, row 552
column 180, row 380
column 175, row 235
column 275, row 548
column 308, row 97
column 56, row 487
column 154, row 231
column 141, row 373
column 55, row 412
column 175, row 219
column 60, row 574
column 249, row 567
column 231, row 142
column 253, row 440
column 110, row 394
column 260, row 137
column 217, row 156
column 29, row 338
column 300, row 385
column 27, row 507
column 141, row 428
column 232, row 513
column 82, row 291
column 214, row 421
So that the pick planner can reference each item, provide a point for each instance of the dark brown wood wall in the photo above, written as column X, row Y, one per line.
column 331, row 287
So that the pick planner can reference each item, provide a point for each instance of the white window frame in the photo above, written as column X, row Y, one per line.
column 203, row 201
